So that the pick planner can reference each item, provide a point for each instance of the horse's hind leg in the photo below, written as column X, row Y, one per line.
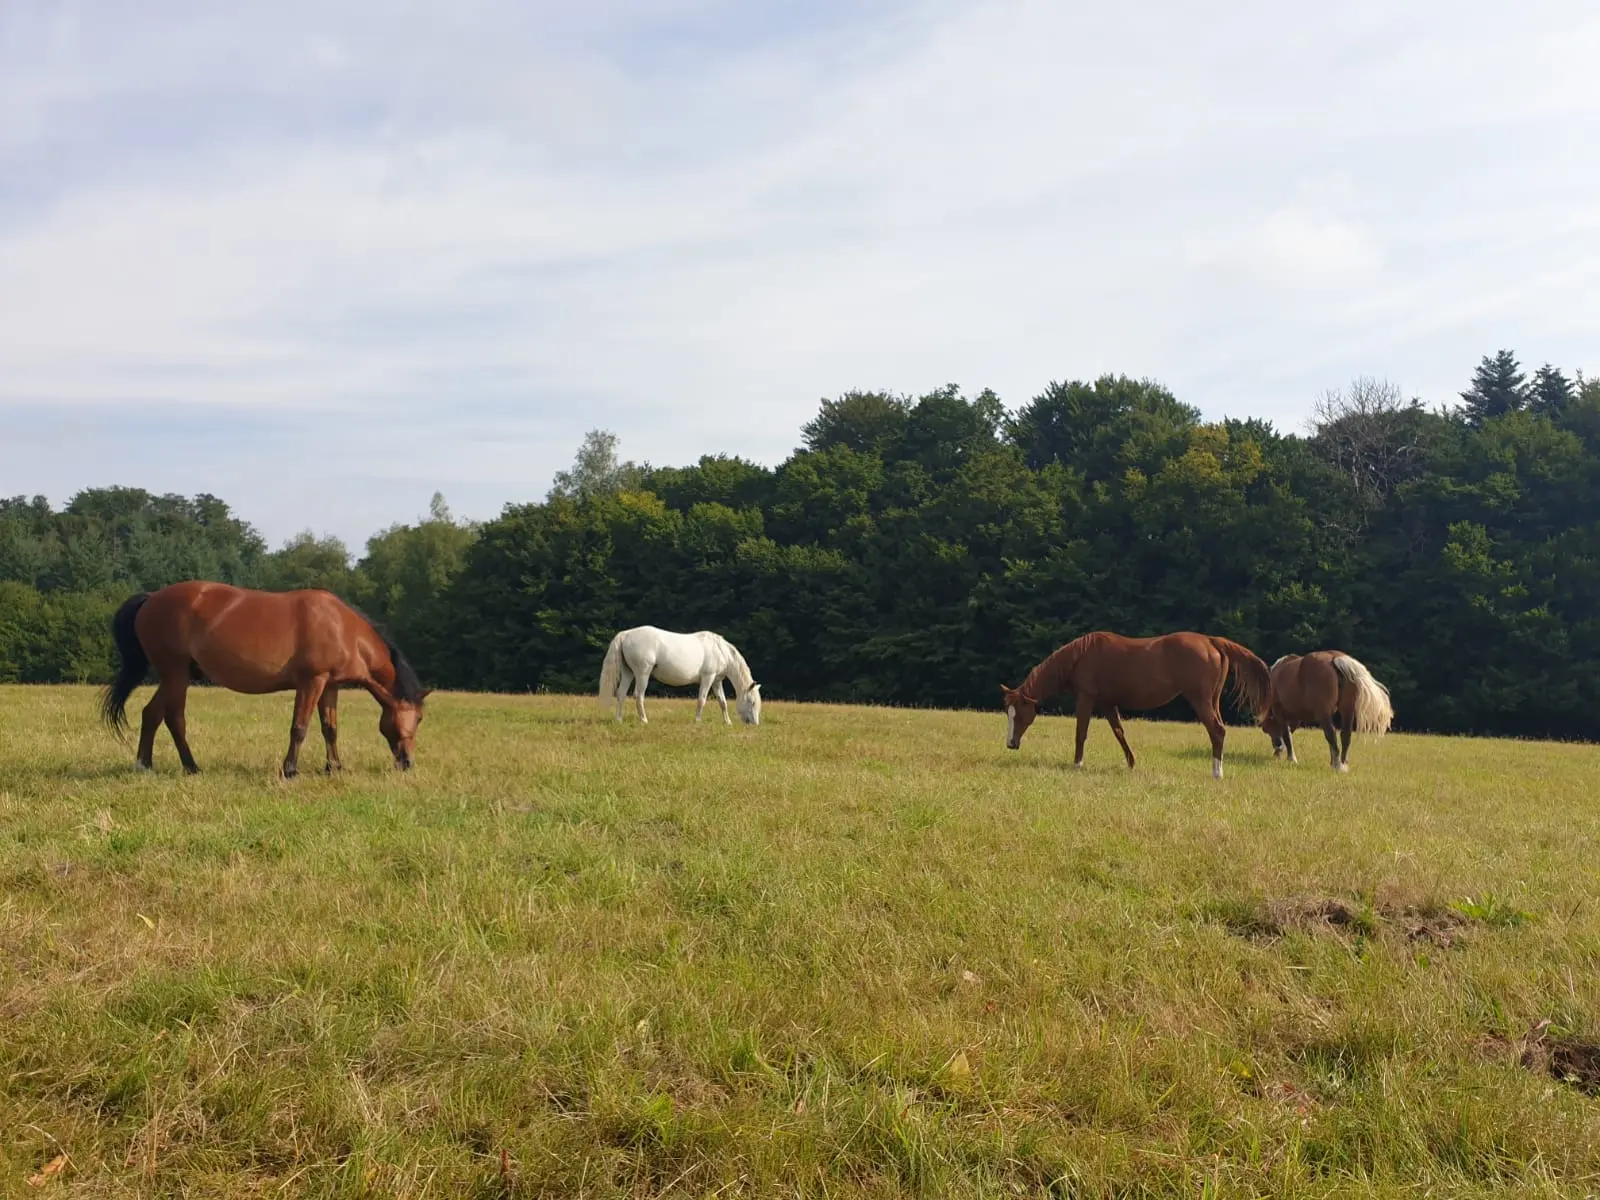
column 1206, row 708
column 149, row 722
column 700, row 707
column 1333, row 743
column 1288, row 742
column 624, row 682
column 640, row 682
column 1219, row 734
column 1114, row 718
column 177, row 700
column 1347, row 720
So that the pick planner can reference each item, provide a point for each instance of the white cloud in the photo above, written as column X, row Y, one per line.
column 484, row 229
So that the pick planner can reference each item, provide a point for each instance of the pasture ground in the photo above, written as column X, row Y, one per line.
column 856, row 952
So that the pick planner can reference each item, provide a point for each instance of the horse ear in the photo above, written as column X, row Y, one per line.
column 424, row 694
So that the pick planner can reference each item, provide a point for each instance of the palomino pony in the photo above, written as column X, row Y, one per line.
column 1107, row 672
column 309, row 641
column 678, row 659
column 1311, row 689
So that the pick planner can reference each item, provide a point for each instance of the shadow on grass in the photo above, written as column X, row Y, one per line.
column 265, row 774
column 1231, row 756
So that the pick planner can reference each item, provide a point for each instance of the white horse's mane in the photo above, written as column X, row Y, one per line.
column 738, row 670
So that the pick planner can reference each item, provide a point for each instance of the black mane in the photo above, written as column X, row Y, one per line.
column 407, row 687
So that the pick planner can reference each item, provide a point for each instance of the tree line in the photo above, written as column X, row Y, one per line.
column 923, row 550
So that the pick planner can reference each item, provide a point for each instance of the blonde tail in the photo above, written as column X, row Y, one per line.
column 1374, row 714
column 611, row 672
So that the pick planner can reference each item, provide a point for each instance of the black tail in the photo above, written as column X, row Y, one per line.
column 135, row 664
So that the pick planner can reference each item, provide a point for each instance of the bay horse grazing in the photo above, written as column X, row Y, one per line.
column 1107, row 672
column 1310, row 690
column 308, row 641
column 678, row 660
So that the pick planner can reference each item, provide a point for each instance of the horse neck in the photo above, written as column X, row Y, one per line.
column 738, row 670
column 1054, row 675
column 381, row 674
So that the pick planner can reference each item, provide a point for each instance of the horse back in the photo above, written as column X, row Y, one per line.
column 251, row 640
column 1305, row 687
column 1135, row 672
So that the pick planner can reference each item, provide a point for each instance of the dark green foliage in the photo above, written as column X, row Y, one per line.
column 1498, row 387
column 924, row 550
column 1551, row 392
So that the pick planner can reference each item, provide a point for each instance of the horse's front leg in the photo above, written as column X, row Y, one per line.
column 1085, row 715
column 722, row 700
column 1288, row 743
column 328, row 711
column 306, row 697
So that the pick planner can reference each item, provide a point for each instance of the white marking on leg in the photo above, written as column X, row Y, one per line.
column 1341, row 767
column 1216, row 768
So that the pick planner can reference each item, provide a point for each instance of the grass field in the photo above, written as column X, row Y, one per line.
column 854, row 952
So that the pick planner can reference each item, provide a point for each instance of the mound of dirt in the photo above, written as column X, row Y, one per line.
column 1442, row 927
column 1573, row 1061
column 1273, row 917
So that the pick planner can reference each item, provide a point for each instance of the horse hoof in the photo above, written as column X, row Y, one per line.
column 191, row 770
column 289, row 772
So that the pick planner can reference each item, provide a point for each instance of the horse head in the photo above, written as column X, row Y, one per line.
column 1021, row 709
column 1274, row 727
column 398, row 723
column 750, row 704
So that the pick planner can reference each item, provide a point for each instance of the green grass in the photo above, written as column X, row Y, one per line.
column 855, row 952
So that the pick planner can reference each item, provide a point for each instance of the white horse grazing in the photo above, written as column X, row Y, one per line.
column 678, row 659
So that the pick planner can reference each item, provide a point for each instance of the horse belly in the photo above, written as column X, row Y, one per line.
column 1133, row 684
column 678, row 660
column 1141, row 696
column 237, row 649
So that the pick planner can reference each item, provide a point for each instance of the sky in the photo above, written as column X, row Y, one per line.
column 324, row 259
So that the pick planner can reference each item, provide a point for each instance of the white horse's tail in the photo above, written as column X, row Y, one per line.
column 1374, row 714
column 611, row 671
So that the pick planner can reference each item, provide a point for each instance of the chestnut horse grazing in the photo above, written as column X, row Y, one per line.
column 1312, row 689
column 309, row 642
column 1107, row 672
